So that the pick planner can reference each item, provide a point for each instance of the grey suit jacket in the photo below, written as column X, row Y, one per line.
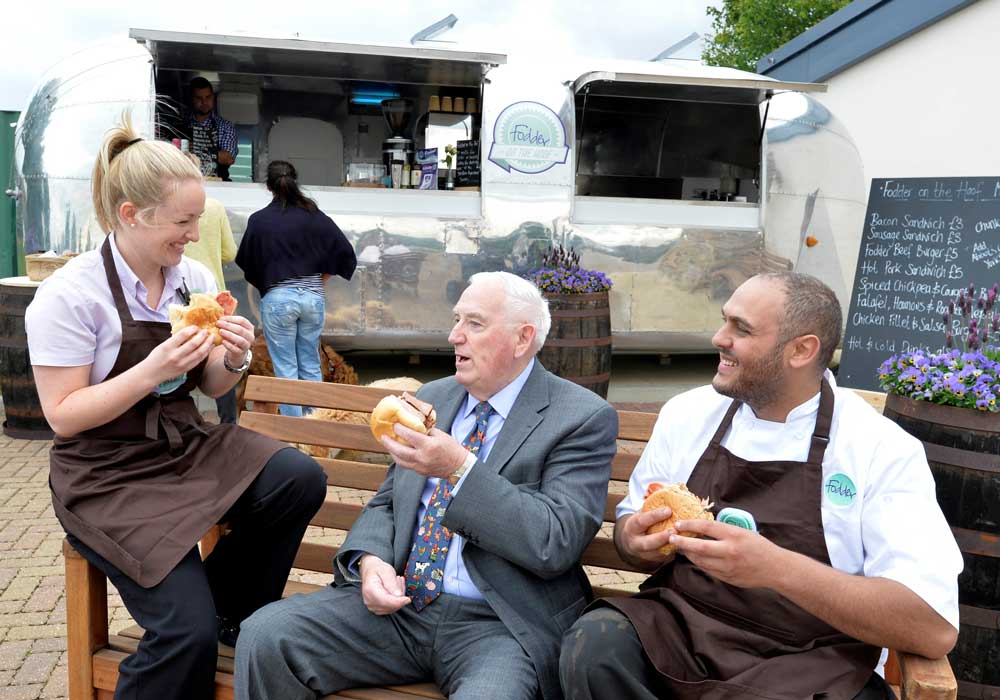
column 527, row 512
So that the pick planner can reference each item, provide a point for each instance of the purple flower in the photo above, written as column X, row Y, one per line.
column 966, row 379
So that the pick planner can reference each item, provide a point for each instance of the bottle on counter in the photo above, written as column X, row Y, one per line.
column 405, row 181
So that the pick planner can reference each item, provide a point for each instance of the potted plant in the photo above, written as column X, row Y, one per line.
column 950, row 400
column 578, row 346
column 963, row 374
column 449, row 157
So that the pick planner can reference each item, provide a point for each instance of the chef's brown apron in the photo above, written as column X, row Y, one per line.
column 142, row 489
column 711, row 640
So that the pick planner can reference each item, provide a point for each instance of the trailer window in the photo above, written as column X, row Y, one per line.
column 667, row 146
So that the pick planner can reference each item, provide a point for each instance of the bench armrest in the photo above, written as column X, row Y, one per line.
column 927, row 679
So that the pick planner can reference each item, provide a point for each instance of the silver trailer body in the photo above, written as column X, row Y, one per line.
column 673, row 261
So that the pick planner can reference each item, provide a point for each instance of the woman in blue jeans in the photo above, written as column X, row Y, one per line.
column 289, row 250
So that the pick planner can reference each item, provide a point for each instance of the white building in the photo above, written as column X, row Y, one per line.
column 912, row 80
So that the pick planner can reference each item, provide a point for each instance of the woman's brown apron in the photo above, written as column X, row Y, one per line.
column 711, row 640
column 142, row 489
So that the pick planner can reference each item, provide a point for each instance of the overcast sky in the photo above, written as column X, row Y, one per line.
column 35, row 33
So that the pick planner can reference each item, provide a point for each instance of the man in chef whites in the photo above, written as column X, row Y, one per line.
column 818, row 555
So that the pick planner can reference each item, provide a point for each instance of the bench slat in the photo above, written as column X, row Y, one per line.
column 128, row 641
column 622, row 465
column 601, row 552
column 635, row 425
column 345, row 397
column 313, row 432
column 106, row 662
column 353, row 475
column 339, row 516
column 609, row 509
column 316, row 557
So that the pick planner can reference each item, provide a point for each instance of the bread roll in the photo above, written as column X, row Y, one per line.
column 203, row 312
column 683, row 504
column 406, row 409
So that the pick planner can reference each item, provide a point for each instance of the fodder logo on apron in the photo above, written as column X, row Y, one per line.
column 840, row 490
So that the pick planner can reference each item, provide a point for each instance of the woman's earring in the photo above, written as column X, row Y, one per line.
column 132, row 224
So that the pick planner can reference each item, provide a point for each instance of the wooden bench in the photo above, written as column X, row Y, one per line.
column 94, row 654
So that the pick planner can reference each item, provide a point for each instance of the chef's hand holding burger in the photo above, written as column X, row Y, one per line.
column 405, row 427
column 673, row 519
column 732, row 554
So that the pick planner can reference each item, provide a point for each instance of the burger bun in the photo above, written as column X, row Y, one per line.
column 683, row 504
column 398, row 409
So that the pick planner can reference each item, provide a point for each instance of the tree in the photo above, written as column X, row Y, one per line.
column 744, row 31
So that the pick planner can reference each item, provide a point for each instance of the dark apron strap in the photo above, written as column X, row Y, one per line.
column 824, row 419
column 723, row 428
column 115, row 282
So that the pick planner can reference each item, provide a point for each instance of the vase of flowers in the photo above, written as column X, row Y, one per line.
column 950, row 400
column 578, row 347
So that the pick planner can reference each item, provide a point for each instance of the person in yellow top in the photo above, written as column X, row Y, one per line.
column 215, row 247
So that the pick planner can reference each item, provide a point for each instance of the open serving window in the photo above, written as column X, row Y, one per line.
column 318, row 104
column 670, row 137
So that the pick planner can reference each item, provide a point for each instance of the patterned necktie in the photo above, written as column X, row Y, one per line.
column 425, row 567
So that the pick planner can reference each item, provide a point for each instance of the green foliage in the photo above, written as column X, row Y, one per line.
column 746, row 30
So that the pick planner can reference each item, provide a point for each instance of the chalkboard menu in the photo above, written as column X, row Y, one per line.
column 467, row 164
column 924, row 239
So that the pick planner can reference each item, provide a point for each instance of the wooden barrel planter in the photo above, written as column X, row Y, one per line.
column 578, row 347
column 963, row 449
column 23, row 410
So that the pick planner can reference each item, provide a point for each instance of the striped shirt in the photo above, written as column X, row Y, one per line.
column 310, row 283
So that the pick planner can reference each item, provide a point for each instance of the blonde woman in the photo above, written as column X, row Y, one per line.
column 136, row 475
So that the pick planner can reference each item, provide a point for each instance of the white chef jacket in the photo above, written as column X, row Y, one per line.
column 880, row 512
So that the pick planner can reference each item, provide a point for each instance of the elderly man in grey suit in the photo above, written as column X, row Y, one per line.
column 464, row 567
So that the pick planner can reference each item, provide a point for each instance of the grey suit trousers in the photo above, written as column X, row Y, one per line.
column 316, row 644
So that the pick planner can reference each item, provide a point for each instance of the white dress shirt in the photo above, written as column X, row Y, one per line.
column 888, row 525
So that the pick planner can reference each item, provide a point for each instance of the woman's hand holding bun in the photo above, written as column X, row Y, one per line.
column 179, row 353
column 237, row 337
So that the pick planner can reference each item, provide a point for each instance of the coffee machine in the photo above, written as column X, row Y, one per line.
column 397, row 148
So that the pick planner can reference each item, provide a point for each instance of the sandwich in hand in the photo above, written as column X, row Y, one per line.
column 202, row 311
column 406, row 409
column 683, row 504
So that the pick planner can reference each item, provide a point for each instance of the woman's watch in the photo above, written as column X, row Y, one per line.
column 242, row 368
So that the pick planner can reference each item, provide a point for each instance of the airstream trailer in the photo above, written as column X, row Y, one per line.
column 677, row 180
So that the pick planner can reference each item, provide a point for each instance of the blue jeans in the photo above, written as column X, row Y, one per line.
column 293, row 320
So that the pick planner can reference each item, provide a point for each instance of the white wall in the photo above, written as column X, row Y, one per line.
column 930, row 104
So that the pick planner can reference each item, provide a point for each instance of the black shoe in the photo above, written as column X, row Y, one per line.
column 229, row 631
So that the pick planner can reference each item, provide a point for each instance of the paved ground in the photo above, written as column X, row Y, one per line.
column 32, row 596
